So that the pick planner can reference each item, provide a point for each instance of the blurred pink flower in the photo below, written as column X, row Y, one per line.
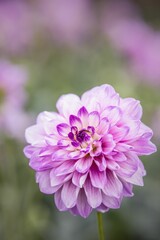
column 16, row 31
column 135, row 39
column 87, row 154
column 13, row 119
column 67, row 21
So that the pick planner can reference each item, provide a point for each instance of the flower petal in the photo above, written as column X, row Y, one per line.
column 119, row 157
column 123, row 147
column 131, row 107
column 127, row 189
column 101, row 163
column 83, row 115
column 63, row 129
column 40, row 164
column 51, row 140
column 100, row 97
column 113, row 186
column 143, row 146
column 58, row 180
column 69, row 103
column 69, row 194
column 137, row 177
column 59, row 154
column 103, row 126
column 35, row 135
column 102, row 208
column 43, row 178
column 45, row 116
column 128, row 167
column 74, row 211
column 93, row 194
column 113, row 114
column 75, row 155
column 63, row 143
column 83, row 164
column 119, row 133
column 75, row 121
column 65, row 168
column 111, row 202
column 134, row 126
column 58, row 201
column 112, row 165
column 107, row 143
column 29, row 150
column 79, row 179
column 94, row 119
column 50, row 127
column 98, row 179
column 83, row 207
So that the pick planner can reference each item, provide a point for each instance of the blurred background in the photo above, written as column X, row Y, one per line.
column 52, row 47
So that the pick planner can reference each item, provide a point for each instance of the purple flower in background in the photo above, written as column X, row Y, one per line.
column 16, row 31
column 67, row 21
column 13, row 119
column 155, row 123
column 87, row 154
column 135, row 39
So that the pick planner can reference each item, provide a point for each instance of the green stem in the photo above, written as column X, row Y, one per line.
column 100, row 226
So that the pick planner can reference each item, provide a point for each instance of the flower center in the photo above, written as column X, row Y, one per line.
column 78, row 137
column 82, row 136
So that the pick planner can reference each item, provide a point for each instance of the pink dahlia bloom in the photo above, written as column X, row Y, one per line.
column 12, row 99
column 87, row 154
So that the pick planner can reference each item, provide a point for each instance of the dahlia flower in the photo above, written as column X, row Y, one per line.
column 87, row 154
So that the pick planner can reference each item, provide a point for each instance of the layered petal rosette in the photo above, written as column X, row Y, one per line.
column 87, row 154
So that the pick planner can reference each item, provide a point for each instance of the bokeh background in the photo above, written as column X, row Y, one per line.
column 52, row 47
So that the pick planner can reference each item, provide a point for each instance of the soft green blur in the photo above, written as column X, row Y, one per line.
column 26, row 213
